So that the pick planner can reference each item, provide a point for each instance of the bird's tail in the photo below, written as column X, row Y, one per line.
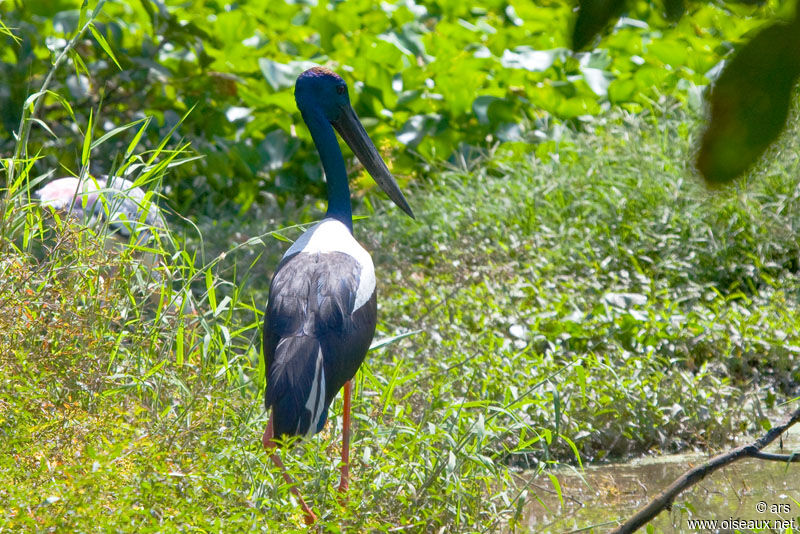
column 296, row 387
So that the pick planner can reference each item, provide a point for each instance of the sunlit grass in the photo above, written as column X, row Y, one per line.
column 576, row 300
column 570, row 308
column 660, row 313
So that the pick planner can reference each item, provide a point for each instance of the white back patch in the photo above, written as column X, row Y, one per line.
column 316, row 399
column 330, row 235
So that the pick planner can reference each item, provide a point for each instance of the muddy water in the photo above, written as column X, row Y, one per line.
column 594, row 499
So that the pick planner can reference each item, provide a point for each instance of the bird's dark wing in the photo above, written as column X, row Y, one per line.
column 291, row 380
column 310, row 315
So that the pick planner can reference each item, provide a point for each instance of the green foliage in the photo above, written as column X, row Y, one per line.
column 432, row 81
column 750, row 102
column 645, row 304
column 578, row 299
column 582, row 305
column 593, row 17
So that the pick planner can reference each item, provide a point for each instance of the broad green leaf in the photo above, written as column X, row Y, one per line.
column 282, row 76
column 750, row 103
column 417, row 128
column 674, row 9
column 593, row 17
column 528, row 58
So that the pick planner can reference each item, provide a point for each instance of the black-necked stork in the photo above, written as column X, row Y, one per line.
column 322, row 309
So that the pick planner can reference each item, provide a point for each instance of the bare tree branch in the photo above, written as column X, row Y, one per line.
column 695, row 475
column 776, row 457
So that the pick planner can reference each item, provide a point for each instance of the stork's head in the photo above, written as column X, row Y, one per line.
column 321, row 91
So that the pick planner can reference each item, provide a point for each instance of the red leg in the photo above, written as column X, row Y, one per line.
column 272, row 450
column 345, row 481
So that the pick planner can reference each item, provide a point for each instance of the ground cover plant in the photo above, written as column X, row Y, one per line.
column 561, row 301
column 637, row 330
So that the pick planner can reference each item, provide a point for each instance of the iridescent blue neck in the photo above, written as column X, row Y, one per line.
column 333, row 163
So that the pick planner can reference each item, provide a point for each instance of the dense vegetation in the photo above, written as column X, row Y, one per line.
column 434, row 80
column 571, row 295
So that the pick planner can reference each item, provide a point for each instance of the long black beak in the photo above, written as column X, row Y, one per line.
column 353, row 133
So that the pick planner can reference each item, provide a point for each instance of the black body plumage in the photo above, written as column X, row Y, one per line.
column 322, row 309
column 310, row 312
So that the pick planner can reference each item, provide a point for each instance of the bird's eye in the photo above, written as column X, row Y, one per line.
column 340, row 89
